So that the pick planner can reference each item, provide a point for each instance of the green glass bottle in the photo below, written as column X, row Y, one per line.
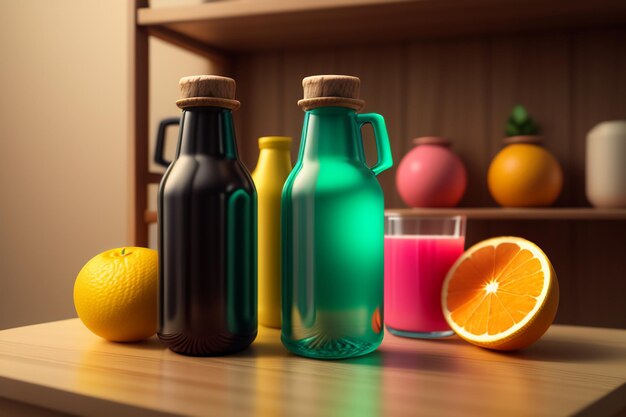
column 332, row 227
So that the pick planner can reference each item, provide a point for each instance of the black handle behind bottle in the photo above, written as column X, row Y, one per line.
column 207, row 229
column 159, row 150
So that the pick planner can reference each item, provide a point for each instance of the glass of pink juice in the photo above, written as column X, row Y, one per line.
column 419, row 251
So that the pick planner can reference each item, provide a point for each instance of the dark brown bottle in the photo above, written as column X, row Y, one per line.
column 207, row 229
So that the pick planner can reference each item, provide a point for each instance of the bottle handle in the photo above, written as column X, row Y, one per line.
column 385, row 160
column 160, row 140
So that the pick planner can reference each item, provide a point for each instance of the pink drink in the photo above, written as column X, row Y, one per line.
column 415, row 267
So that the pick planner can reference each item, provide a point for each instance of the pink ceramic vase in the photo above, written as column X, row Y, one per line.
column 431, row 175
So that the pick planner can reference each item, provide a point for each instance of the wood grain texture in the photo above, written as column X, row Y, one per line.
column 331, row 85
column 246, row 25
column 501, row 214
column 497, row 213
column 221, row 61
column 533, row 71
column 446, row 89
column 139, row 118
column 600, row 287
column 325, row 90
column 62, row 366
column 259, row 82
column 154, row 177
column 598, row 85
column 207, row 91
column 20, row 409
column 150, row 216
column 598, row 67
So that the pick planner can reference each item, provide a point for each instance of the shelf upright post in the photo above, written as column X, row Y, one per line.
column 138, row 122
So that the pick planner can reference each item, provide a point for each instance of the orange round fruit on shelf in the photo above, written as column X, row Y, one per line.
column 524, row 175
column 115, row 294
column 502, row 294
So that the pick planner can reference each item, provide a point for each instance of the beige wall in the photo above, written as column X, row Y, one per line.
column 63, row 144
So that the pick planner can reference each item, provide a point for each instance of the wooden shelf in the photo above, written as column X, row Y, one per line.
column 150, row 216
column 448, row 67
column 61, row 366
column 245, row 25
column 498, row 213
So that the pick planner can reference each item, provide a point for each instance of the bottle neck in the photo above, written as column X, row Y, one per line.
column 207, row 131
column 331, row 132
column 273, row 159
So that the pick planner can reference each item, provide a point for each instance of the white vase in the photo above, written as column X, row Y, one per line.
column 606, row 164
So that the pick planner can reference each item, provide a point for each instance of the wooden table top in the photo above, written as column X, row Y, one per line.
column 63, row 367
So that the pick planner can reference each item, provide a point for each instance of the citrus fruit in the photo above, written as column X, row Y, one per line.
column 524, row 175
column 115, row 294
column 502, row 293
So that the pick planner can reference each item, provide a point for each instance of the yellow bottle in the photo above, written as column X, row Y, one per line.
column 272, row 169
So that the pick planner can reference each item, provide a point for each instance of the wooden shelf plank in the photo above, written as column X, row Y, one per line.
column 219, row 58
column 498, row 213
column 154, row 177
column 150, row 216
column 246, row 25
column 139, row 117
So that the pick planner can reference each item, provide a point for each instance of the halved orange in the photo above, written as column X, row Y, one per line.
column 502, row 293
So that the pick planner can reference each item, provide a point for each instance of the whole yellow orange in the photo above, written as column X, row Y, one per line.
column 524, row 175
column 115, row 294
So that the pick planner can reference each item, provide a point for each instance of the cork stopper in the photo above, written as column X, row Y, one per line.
column 207, row 91
column 432, row 140
column 331, row 90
